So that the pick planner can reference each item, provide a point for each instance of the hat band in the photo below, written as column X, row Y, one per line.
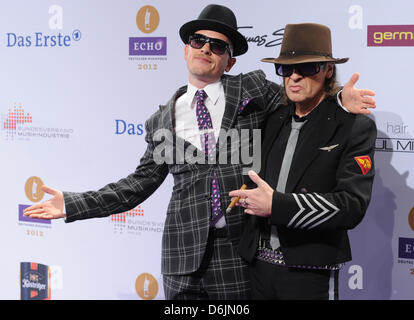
column 305, row 53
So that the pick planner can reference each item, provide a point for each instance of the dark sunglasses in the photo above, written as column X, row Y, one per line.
column 217, row 46
column 304, row 69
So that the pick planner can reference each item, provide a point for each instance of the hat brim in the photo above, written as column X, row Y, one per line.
column 303, row 59
column 238, row 41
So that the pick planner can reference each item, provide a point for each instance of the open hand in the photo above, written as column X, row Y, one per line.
column 355, row 100
column 50, row 209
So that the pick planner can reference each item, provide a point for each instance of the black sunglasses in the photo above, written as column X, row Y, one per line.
column 304, row 69
column 217, row 46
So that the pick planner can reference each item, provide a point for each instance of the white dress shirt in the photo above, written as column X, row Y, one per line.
column 186, row 124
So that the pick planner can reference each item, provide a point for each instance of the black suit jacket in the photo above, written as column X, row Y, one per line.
column 328, row 188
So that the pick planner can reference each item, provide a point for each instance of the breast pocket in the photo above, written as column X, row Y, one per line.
column 251, row 120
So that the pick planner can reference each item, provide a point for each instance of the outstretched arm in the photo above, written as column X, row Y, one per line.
column 114, row 198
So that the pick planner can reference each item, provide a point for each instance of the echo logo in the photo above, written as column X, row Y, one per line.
column 33, row 189
column 34, row 192
column 149, row 46
column 146, row 286
column 147, row 19
column 406, row 248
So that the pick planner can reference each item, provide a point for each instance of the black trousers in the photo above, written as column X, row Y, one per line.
column 275, row 282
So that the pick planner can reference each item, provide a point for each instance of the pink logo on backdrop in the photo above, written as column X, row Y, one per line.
column 390, row 36
column 15, row 117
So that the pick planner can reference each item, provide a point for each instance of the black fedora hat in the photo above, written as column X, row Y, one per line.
column 220, row 19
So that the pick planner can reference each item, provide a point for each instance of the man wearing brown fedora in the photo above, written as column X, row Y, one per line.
column 199, row 258
column 316, row 177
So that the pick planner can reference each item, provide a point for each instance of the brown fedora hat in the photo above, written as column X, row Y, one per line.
column 220, row 19
column 305, row 42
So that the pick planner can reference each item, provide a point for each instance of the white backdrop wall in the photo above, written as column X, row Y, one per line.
column 72, row 110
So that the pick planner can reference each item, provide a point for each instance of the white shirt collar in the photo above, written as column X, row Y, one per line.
column 213, row 91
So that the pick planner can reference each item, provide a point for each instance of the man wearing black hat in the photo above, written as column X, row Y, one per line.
column 199, row 258
column 317, row 161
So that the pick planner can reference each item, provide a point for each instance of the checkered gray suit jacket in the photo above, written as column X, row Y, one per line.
column 249, row 99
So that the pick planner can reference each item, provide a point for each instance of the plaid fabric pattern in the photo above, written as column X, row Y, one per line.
column 187, row 222
column 222, row 276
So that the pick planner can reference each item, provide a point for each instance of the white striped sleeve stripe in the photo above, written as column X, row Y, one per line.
column 325, row 211
column 299, row 212
column 323, row 220
column 313, row 210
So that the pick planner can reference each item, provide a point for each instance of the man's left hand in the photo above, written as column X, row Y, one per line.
column 357, row 100
column 256, row 201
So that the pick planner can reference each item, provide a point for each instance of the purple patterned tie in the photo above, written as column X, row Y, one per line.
column 209, row 142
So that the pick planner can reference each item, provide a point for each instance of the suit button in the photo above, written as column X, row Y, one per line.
column 303, row 190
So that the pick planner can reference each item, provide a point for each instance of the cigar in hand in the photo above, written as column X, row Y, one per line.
column 235, row 199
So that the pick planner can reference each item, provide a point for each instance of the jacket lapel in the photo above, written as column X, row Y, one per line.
column 232, row 92
column 237, row 101
column 168, row 110
column 272, row 129
column 167, row 116
column 315, row 139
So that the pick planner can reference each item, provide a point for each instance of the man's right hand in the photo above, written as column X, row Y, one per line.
column 50, row 209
